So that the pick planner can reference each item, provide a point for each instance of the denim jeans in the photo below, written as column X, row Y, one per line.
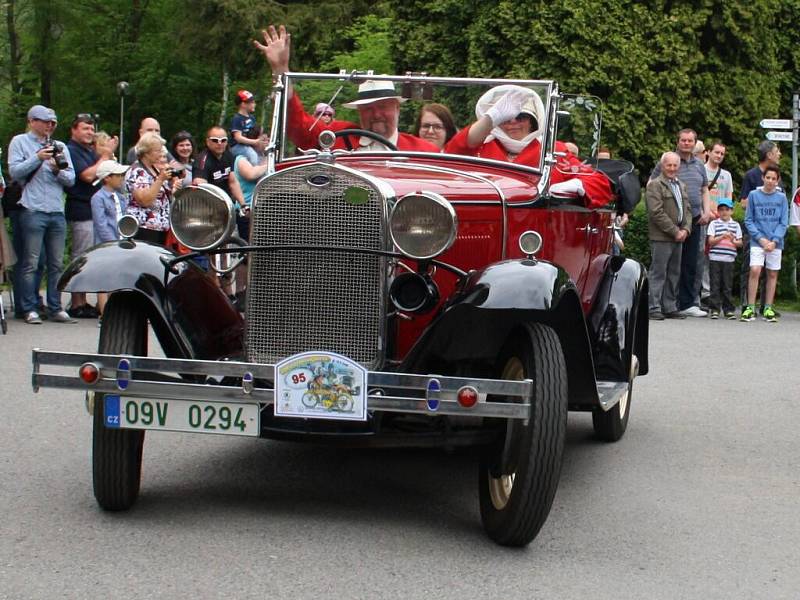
column 688, row 286
column 48, row 230
column 18, row 243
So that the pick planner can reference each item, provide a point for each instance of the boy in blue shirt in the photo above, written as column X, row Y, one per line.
column 766, row 219
column 108, row 205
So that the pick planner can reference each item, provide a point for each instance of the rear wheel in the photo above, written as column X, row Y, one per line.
column 117, row 453
column 518, row 476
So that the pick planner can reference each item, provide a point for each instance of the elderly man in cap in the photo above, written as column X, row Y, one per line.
column 44, row 167
column 378, row 107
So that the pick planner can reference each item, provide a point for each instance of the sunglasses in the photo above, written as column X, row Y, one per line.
column 218, row 140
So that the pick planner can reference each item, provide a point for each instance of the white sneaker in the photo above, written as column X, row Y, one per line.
column 694, row 311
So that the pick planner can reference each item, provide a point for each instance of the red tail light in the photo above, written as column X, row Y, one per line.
column 89, row 373
column 467, row 396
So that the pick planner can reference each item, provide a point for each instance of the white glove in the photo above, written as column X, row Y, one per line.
column 568, row 188
column 508, row 107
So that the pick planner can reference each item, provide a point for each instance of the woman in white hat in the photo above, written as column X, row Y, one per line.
column 378, row 106
column 510, row 124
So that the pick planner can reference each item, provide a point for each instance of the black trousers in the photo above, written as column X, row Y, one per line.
column 721, row 276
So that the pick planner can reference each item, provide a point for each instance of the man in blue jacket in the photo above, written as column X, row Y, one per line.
column 767, row 218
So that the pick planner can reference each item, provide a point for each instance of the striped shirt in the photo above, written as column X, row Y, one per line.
column 725, row 250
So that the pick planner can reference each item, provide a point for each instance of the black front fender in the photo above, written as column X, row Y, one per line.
column 468, row 334
column 189, row 313
column 618, row 321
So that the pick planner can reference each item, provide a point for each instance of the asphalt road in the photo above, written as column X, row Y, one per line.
column 698, row 500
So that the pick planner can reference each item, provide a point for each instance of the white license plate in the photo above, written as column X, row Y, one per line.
column 122, row 412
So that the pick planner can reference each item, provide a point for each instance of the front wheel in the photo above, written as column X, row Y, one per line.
column 117, row 453
column 518, row 476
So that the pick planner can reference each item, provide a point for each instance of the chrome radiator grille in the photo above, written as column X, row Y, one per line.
column 302, row 300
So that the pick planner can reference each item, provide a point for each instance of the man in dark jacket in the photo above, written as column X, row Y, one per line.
column 669, row 218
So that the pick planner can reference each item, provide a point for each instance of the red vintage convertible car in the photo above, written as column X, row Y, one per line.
column 394, row 298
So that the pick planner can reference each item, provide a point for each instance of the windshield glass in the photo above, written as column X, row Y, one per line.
column 417, row 114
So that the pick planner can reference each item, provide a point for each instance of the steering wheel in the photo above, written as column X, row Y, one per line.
column 346, row 133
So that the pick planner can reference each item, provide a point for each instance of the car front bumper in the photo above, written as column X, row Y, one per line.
column 251, row 383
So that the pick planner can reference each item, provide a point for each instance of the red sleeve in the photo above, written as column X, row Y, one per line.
column 299, row 125
column 458, row 144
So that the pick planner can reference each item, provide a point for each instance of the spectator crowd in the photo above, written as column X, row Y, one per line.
column 694, row 241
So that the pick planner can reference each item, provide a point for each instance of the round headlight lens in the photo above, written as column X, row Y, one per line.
column 423, row 225
column 202, row 216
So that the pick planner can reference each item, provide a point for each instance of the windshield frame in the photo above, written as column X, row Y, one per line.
column 276, row 149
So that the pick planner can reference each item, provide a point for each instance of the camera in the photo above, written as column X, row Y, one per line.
column 58, row 154
column 179, row 172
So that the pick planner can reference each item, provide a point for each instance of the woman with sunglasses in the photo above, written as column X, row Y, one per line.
column 509, row 128
column 435, row 124
column 150, row 189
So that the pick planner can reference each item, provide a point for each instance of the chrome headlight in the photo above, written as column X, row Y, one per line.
column 202, row 216
column 423, row 225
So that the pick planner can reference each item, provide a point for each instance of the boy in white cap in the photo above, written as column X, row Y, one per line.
column 108, row 205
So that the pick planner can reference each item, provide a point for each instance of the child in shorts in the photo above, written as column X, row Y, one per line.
column 724, row 239
column 767, row 218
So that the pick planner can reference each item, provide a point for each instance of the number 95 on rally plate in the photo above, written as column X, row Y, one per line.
column 122, row 412
column 321, row 385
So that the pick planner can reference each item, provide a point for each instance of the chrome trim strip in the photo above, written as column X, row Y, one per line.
column 406, row 154
column 358, row 76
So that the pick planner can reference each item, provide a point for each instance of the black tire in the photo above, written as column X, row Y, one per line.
column 518, row 476
column 117, row 453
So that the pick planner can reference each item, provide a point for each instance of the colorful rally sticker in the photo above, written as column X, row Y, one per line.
column 321, row 385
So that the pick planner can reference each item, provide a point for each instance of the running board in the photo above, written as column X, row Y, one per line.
column 610, row 393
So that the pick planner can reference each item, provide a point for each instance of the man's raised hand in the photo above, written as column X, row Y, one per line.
column 276, row 48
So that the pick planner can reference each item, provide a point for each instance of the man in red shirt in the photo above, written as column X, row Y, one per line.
column 378, row 107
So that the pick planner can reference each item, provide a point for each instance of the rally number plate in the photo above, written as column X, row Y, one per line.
column 122, row 412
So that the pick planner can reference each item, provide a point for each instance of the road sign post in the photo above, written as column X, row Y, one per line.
column 795, row 121
column 790, row 135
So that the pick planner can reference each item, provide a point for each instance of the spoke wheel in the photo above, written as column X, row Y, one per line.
column 518, row 476
column 117, row 453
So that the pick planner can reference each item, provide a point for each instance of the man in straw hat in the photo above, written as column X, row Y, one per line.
column 378, row 106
